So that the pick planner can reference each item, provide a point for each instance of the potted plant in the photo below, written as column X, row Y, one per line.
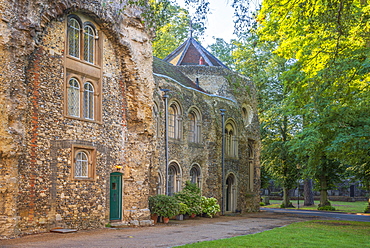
column 210, row 206
column 191, row 197
column 184, row 209
column 164, row 205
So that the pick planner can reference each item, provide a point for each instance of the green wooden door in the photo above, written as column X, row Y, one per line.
column 116, row 196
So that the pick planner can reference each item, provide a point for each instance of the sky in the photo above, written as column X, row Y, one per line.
column 220, row 22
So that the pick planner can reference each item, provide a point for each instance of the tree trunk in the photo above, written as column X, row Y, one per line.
column 367, row 210
column 308, row 193
column 286, row 203
column 324, row 192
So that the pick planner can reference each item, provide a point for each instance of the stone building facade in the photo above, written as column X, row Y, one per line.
column 80, row 144
column 199, row 86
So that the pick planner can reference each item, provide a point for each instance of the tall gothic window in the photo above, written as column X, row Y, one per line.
column 231, row 141
column 174, row 121
column 74, row 97
column 195, row 175
column 74, row 37
column 88, row 101
column 194, row 128
column 89, row 39
column 174, row 178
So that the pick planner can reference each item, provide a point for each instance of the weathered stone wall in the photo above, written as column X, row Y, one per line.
column 228, row 91
column 36, row 186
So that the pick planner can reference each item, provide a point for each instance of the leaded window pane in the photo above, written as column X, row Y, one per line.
column 81, row 166
column 89, row 44
column 194, row 174
column 88, row 101
column 171, row 122
column 74, row 38
column 74, row 98
column 192, row 125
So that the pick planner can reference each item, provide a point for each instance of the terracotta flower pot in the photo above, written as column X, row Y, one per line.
column 154, row 218
column 166, row 220
column 193, row 215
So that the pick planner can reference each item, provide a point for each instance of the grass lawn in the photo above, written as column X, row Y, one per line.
column 317, row 233
column 348, row 207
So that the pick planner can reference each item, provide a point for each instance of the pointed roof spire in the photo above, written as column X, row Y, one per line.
column 191, row 52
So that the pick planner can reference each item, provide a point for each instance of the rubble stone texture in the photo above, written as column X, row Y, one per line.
column 37, row 138
column 37, row 190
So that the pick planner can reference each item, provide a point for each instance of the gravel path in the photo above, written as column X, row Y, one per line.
column 161, row 235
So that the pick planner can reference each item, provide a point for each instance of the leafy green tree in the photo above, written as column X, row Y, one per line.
column 223, row 51
column 278, row 127
column 329, row 40
column 174, row 31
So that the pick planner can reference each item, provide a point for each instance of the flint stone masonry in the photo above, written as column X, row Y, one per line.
column 37, row 190
column 220, row 88
column 38, row 139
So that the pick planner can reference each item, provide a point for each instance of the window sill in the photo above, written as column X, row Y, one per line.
column 83, row 61
column 84, row 179
column 82, row 119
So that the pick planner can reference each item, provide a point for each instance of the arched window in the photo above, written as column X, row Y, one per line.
column 230, row 193
column 195, row 176
column 174, row 178
column 231, row 142
column 247, row 114
column 89, row 38
column 174, row 121
column 82, row 69
column 88, row 102
column 73, row 97
column 159, row 184
column 194, row 131
column 74, row 37
column 82, row 165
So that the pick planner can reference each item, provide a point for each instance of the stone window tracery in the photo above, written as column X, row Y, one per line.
column 174, row 178
column 194, row 128
column 195, row 175
column 231, row 141
column 174, row 121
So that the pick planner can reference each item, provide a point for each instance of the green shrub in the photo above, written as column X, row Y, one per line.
column 190, row 196
column 262, row 204
column 367, row 209
column 164, row 205
column 210, row 206
column 290, row 205
column 326, row 208
column 184, row 209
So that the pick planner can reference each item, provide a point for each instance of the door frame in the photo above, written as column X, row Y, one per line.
column 119, row 188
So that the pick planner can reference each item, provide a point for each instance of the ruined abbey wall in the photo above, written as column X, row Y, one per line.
column 37, row 189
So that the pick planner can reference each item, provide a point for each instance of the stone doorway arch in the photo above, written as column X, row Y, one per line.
column 230, row 193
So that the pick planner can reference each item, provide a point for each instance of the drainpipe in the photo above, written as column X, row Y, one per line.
column 165, row 98
column 223, row 162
